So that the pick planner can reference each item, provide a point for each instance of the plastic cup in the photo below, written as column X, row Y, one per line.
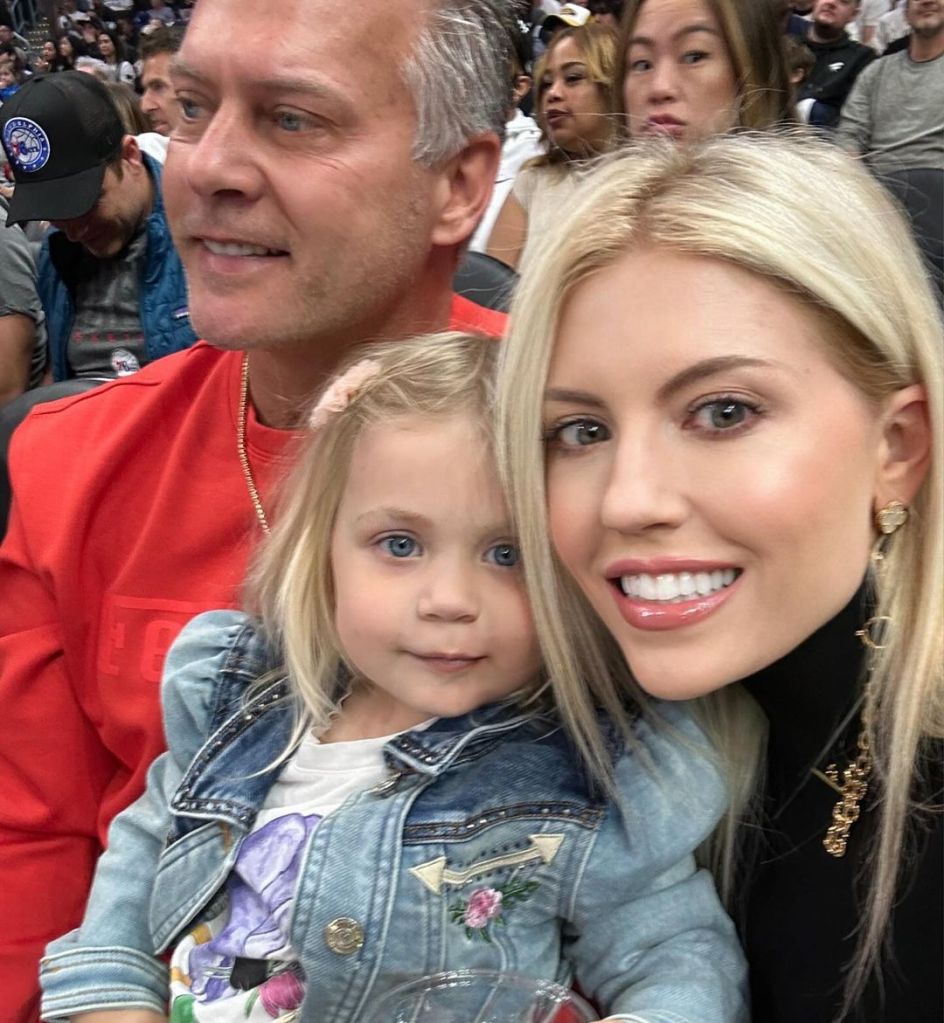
column 480, row 996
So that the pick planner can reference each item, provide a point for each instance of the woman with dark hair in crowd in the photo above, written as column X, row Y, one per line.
column 573, row 80
column 693, row 68
column 67, row 49
column 722, row 397
column 118, row 67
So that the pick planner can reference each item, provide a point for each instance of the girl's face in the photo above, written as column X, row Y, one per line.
column 431, row 607
column 106, row 46
column 49, row 50
column 711, row 476
column 571, row 104
column 679, row 78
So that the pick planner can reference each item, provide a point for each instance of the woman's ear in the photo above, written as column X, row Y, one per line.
column 905, row 446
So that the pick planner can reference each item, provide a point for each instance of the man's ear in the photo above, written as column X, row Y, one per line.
column 131, row 151
column 905, row 447
column 464, row 189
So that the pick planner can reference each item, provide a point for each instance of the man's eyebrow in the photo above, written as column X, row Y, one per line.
column 711, row 367
column 278, row 83
column 699, row 26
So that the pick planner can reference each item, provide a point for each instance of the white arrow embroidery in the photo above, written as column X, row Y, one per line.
column 434, row 874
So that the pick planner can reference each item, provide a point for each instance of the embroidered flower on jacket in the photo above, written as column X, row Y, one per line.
column 483, row 905
column 486, row 907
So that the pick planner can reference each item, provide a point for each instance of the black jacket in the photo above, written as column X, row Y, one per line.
column 837, row 66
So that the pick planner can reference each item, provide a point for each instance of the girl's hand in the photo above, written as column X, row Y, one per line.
column 120, row 1016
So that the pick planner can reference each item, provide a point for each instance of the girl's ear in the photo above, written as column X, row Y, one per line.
column 905, row 447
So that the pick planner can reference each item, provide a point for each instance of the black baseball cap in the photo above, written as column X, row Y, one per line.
column 59, row 133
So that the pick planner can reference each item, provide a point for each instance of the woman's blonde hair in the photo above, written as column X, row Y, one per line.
column 597, row 44
column 847, row 253
column 752, row 34
column 291, row 586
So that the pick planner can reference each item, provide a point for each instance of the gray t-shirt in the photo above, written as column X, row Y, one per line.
column 107, row 339
column 894, row 115
column 18, row 295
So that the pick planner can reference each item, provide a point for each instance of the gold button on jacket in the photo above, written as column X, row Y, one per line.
column 344, row 935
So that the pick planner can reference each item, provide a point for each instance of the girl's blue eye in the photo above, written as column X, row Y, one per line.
column 400, row 546
column 579, row 433
column 505, row 555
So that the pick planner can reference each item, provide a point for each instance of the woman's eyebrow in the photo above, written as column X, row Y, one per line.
column 562, row 394
column 676, row 36
column 710, row 367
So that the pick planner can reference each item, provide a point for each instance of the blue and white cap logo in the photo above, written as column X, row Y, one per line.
column 26, row 144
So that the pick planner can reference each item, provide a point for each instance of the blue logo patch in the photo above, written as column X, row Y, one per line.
column 26, row 144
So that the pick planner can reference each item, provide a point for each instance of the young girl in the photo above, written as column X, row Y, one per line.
column 369, row 780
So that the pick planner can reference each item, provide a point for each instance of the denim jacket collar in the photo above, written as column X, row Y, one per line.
column 237, row 765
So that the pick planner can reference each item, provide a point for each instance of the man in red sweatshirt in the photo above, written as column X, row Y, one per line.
column 320, row 187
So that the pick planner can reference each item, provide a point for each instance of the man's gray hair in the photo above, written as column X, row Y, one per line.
column 460, row 75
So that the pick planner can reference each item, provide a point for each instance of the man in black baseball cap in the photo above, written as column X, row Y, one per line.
column 110, row 279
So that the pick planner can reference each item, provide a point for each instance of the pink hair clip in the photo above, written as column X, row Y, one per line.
column 341, row 391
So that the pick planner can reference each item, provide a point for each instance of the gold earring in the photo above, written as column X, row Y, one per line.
column 891, row 517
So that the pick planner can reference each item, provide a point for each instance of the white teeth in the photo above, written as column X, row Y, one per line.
column 670, row 587
column 237, row 249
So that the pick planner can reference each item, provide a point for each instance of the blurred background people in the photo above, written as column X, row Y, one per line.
column 574, row 111
column 157, row 94
column 689, row 69
column 112, row 49
column 839, row 61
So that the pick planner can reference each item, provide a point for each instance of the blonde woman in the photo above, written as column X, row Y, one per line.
column 740, row 400
column 370, row 781
column 573, row 83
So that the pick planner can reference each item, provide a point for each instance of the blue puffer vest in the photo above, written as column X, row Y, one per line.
column 162, row 293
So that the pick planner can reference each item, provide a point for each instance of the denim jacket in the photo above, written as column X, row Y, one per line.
column 494, row 798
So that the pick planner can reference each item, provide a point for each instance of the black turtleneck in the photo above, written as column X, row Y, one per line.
column 801, row 905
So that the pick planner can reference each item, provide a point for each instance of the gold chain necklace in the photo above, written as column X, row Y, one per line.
column 241, row 446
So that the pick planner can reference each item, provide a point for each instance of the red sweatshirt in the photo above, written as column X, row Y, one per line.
column 130, row 515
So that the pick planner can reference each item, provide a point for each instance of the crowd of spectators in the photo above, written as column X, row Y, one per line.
column 870, row 75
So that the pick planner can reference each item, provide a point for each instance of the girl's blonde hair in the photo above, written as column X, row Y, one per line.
column 597, row 44
column 291, row 586
column 846, row 253
column 752, row 34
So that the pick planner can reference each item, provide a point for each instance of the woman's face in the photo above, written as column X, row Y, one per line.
column 679, row 78
column 49, row 50
column 106, row 46
column 65, row 47
column 571, row 104
column 711, row 477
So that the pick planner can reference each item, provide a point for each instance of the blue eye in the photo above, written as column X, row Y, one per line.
column 291, row 121
column 188, row 108
column 400, row 546
column 505, row 555
column 578, row 433
column 723, row 414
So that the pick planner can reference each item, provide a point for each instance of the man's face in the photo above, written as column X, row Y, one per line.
column 926, row 17
column 293, row 197
column 158, row 101
column 6, row 33
column 108, row 226
column 833, row 15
